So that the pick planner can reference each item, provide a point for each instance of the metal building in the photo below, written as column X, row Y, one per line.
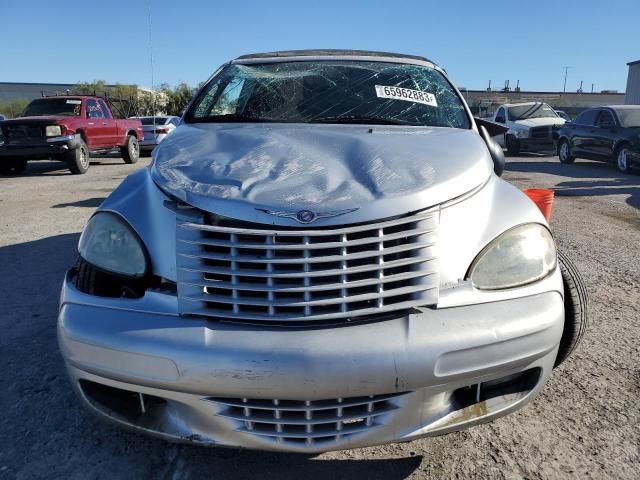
column 632, row 96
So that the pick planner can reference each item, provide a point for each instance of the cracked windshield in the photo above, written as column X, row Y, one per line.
column 331, row 92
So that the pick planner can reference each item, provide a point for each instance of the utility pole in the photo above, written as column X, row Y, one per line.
column 566, row 69
column 153, row 93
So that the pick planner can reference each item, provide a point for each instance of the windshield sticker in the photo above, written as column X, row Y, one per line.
column 406, row 94
column 75, row 102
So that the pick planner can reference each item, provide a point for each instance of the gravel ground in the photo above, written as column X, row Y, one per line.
column 586, row 424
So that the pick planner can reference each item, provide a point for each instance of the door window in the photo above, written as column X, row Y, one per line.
column 587, row 118
column 500, row 116
column 605, row 119
column 104, row 109
column 93, row 109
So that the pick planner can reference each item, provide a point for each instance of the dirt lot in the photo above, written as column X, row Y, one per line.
column 586, row 424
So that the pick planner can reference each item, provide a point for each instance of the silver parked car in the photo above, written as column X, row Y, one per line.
column 155, row 130
column 320, row 257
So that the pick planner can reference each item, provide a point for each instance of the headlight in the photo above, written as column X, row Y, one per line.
column 109, row 243
column 519, row 256
column 53, row 131
column 522, row 134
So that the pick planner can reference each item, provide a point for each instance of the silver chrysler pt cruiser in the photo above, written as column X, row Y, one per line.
column 321, row 256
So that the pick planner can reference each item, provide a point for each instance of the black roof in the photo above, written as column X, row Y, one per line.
column 329, row 52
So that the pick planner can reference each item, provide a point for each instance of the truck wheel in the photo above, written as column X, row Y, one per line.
column 576, row 304
column 130, row 150
column 513, row 145
column 12, row 166
column 78, row 159
column 564, row 153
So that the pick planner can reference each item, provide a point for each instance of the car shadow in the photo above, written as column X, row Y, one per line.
column 88, row 203
column 55, row 168
column 590, row 179
column 45, row 422
column 39, row 167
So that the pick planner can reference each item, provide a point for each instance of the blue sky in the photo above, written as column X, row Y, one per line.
column 69, row 41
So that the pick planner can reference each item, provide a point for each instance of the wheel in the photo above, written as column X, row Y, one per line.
column 513, row 145
column 78, row 159
column 12, row 166
column 130, row 150
column 622, row 158
column 576, row 304
column 564, row 153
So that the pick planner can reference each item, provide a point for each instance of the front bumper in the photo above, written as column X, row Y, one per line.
column 40, row 150
column 537, row 144
column 150, row 142
column 306, row 389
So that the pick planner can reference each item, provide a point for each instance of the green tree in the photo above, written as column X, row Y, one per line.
column 13, row 108
column 176, row 98
column 129, row 93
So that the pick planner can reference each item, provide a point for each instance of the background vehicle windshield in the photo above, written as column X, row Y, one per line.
column 54, row 106
column 331, row 92
column 153, row 120
column 535, row 110
column 629, row 117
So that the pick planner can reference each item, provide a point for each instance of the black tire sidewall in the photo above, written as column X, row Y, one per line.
column 615, row 158
column 569, row 158
column 126, row 151
column 513, row 145
column 74, row 159
column 576, row 308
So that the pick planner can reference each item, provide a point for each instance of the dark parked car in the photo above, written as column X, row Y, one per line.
column 610, row 133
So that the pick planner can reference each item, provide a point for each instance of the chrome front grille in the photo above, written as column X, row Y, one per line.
column 304, row 422
column 253, row 272
column 541, row 132
column 22, row 133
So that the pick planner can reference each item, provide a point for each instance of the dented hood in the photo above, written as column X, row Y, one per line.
column 221, row 167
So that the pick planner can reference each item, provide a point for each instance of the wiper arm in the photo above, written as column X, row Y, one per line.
column 529, row 111
column 362, row 119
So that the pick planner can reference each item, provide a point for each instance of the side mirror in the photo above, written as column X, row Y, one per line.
column 495, row 150
column 499, row 119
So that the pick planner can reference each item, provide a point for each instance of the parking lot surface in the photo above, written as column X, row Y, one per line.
column 586, row 424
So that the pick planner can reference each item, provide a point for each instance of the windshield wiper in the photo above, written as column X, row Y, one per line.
column 528, row 112
column 362, row 119
column 234, row 118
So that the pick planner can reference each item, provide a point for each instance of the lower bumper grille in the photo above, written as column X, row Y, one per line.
column 307, row 423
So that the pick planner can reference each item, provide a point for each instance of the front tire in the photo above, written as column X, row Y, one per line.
column 130, row 150
column 12, row 166
column 576, row 303
column 564, row 152
column 513, row 145
column 622, row 159
column 78, row 159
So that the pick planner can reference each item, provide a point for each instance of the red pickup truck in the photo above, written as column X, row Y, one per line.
column 66, row 128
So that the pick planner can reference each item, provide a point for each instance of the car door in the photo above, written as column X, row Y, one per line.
column 581, row 133
column 501, row 117
column 110, row 126
column 605, row 134
column 94, row 128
